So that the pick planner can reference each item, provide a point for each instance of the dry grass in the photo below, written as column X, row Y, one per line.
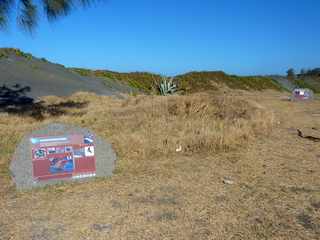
column 158, row 193
column 148, row 127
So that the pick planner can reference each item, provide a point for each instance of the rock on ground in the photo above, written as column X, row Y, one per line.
column 21, row 164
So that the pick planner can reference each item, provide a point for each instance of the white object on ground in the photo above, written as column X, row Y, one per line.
column 228, row 181
column 179, row 149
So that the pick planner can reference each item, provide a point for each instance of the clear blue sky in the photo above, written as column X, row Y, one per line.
column 174, row 36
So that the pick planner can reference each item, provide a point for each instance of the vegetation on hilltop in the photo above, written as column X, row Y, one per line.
column 187, row 83
column 307, row 79
column 307, row 83
column 6, row 52
column 141, row 80
column 206, row 80
column 310, row 72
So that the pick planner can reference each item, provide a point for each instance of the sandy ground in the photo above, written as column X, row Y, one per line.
column 272, row 192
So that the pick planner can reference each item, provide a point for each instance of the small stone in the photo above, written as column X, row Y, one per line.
column 179, row 149
column 228, row 181
column 102, row 227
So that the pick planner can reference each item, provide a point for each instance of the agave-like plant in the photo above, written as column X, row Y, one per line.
column 28, row 10
column 167, row 86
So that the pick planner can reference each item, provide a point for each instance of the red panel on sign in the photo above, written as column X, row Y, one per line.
column 57, row 157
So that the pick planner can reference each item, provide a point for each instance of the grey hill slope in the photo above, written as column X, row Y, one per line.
column 44, row 78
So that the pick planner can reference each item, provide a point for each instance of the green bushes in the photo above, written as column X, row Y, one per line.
column 187, row 83
column 199, row 81
column 15, row 51
column 301, row 83
column 3, row 55
column 82, row 71
column 253, row 83
column 141, row 80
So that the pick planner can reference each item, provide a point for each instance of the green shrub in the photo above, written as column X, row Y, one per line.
column 301, row 83
column 82, row 71
column 141, row 80
column 167, row 86
column 187, row 83
column 201, row 81
column 17, row 52
column 3, row 55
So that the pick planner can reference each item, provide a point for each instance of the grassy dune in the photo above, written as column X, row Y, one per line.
column 202, row 81
column 148, row 82
column 187, row 83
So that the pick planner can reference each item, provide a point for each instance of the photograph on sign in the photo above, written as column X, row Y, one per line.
column 78, row 153
column 62, row 164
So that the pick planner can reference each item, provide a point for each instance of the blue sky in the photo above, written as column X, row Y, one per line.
column 243, row 37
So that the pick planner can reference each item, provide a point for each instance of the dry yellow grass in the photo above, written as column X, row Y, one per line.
column 158, row 193
column 149, row 127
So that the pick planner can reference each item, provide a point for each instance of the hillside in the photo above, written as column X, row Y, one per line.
column 34, row 77
column 204, row 80
column 19, row 70
column 141, row 80
column 189, row 82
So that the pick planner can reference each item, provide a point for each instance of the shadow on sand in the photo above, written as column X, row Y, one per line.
column 13, row 100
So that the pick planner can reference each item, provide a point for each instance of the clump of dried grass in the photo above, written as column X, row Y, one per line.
column 150, row 126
